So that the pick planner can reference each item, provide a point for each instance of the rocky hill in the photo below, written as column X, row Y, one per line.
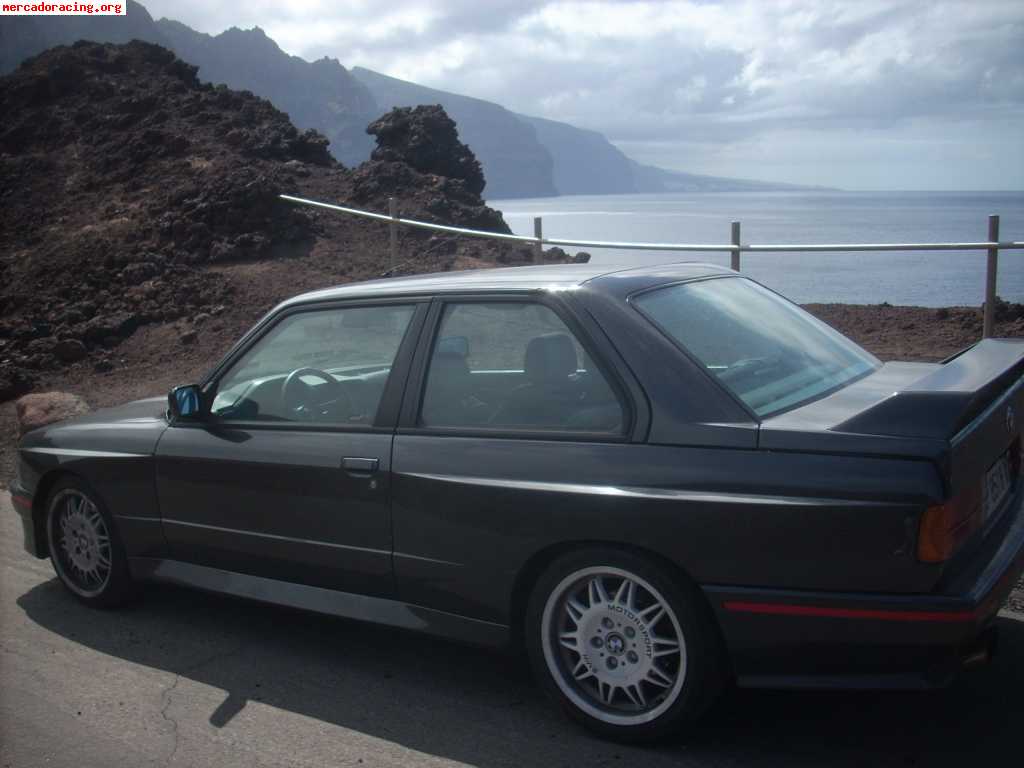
column 320, row 94
column 141, row 204
column 521, row 156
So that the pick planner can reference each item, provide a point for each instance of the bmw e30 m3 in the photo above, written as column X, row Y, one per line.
column 657, row 480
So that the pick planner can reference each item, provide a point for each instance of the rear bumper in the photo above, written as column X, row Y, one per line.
column 797, row 639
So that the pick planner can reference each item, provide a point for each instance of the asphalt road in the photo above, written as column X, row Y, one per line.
column 189, row 679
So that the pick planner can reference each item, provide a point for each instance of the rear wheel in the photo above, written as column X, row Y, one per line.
column 623, row 644
column 84, row 549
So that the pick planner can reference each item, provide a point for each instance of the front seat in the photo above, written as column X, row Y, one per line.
column 551, row 394
column 448, row 400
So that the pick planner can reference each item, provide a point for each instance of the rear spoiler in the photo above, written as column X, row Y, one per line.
column 943, row 402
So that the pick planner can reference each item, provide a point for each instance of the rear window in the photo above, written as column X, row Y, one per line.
column 767, row 351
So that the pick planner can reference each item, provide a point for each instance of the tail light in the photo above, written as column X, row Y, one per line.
column 944, row 527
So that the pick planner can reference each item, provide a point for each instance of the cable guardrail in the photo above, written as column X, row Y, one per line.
column 992, row 246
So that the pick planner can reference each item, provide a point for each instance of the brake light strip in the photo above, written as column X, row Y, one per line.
column 784, row 609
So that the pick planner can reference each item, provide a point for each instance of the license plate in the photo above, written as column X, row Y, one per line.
column 997, row 483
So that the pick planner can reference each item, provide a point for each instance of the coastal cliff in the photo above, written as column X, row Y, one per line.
column 521, row 156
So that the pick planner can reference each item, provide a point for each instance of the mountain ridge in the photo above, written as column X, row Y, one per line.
column 521, row 155
column 584, row 161
column 319, row 94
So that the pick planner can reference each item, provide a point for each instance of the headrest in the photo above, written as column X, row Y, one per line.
column 550, row 357
column 450, row 357
column 453, row 346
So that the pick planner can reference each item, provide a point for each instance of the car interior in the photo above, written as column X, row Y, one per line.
column 551, row 391
column 310, row 394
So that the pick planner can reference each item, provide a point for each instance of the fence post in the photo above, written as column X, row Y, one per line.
column 736, row 241
column 393, row 230
column 991, row 270
column 538, row 247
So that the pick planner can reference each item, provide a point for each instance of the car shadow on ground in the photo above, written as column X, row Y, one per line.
column 479, row 707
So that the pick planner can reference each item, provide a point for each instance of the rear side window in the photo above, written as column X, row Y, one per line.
column 515, row 365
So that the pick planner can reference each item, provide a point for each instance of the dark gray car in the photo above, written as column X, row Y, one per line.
column 658, row 480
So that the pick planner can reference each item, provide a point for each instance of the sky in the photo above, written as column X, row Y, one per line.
column 869, row 94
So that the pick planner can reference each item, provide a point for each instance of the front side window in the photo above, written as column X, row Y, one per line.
column 768, row 352
column 515, row 365
column 324, row 366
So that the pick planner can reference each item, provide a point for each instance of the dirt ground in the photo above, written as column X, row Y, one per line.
column 915, row 333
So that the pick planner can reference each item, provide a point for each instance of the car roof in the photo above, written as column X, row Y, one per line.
column 548, row 277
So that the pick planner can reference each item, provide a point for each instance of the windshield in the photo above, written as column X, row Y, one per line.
column 767, row 351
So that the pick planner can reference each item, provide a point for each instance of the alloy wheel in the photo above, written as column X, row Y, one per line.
column 614, row 645
column 80, row 543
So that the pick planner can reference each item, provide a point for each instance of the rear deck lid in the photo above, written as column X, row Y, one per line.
column 946, row 399
column 914, row 408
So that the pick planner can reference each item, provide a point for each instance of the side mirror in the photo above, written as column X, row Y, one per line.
column 183, row 402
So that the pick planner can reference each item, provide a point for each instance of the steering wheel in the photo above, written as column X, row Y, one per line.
column 297, row 395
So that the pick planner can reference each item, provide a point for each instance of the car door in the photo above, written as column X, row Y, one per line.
column 288, row 474
column 507, row 405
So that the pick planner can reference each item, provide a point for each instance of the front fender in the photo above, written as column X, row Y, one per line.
column 113, row 451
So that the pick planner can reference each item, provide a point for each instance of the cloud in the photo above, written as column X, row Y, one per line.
column 681, row 82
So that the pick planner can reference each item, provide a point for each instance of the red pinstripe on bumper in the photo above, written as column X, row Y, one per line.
column 784, row 609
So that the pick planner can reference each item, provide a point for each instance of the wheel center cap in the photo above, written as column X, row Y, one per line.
column 615, row 644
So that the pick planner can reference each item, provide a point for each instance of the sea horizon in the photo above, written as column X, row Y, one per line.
column 921, row 278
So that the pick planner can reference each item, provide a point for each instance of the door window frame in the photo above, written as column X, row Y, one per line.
column 604, row 357
column 390, row 403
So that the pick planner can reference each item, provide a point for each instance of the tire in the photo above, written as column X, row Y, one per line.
column 635, row 663
column 87, row 554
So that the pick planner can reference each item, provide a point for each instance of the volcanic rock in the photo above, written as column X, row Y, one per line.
column 70, row 350
column 14, row 381
column 426, row 140
column 44, row 408
column 418, row 148
column 120, row 180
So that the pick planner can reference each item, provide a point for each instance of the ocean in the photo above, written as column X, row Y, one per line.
column 932, row 279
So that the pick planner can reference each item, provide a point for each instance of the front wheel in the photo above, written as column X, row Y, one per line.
column 84, row 549
column 624, row 644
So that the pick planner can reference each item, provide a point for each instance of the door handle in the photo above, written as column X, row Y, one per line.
column 358, row 464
